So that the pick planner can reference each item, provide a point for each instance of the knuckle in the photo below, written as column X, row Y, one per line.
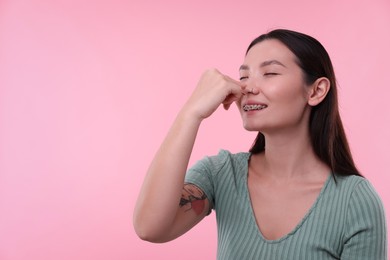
column 211, row 71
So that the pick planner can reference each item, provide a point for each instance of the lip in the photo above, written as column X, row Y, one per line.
column 253, row 102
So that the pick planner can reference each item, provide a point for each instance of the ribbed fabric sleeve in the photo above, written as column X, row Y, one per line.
column 346, row 221
column 365, row 223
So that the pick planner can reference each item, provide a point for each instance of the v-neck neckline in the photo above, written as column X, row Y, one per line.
column 300, row 223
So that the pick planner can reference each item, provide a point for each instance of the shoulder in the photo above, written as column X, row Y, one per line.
column 356, row 186
column 365, row 197
column 209, row 172
column 349, row 181
column 365, row 221
column 365, row 207
column 224, row 160
column 358, row 192
column 227, row 157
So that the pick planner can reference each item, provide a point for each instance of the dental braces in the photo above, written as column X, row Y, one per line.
column 253, row 107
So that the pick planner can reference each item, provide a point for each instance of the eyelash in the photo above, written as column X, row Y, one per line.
column 265, row 74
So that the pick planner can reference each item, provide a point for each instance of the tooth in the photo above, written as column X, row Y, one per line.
column 253, row 107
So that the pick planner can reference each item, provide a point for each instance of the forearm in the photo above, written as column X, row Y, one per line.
column 160, row 194
column 158, row 203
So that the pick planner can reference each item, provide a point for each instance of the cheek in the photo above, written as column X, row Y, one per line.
column 288, row 93
column 292, row 107
column 289, row 102
column 239, row 104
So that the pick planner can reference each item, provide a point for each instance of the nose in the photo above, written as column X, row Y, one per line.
column 251, row 88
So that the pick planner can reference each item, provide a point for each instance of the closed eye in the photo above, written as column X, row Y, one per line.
column 270, row 74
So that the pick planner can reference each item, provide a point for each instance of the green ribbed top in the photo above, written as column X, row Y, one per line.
column 346, row 221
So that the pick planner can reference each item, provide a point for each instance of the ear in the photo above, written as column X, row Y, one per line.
column 318, row 91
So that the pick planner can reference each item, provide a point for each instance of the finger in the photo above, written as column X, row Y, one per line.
column 237, row 82
column 231, row 99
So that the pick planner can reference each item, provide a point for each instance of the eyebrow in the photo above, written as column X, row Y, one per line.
column 263, row 64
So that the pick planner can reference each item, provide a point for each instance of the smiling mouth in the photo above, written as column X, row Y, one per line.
column 253, row 107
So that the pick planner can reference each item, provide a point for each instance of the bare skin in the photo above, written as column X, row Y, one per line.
column 286, row 178
column 165, row 210
column 193, row 198
column 280, row 204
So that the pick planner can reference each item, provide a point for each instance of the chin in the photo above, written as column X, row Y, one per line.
column 252, row 128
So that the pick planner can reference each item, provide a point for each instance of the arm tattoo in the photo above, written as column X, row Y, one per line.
column 192, row 198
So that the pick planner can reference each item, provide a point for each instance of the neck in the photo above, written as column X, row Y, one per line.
column 289, row 155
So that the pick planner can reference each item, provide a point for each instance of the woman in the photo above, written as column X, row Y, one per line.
column 297, row 194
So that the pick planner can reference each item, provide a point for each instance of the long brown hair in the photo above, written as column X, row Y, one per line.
column 326, row 129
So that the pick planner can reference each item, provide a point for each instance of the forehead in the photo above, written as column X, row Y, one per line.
column 269, row 50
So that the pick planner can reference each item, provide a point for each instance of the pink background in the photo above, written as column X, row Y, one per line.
column 88, row 90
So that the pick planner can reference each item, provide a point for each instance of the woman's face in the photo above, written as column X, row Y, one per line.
column 277, row 97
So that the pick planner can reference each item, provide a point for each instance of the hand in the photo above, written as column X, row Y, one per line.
column 214, row 89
